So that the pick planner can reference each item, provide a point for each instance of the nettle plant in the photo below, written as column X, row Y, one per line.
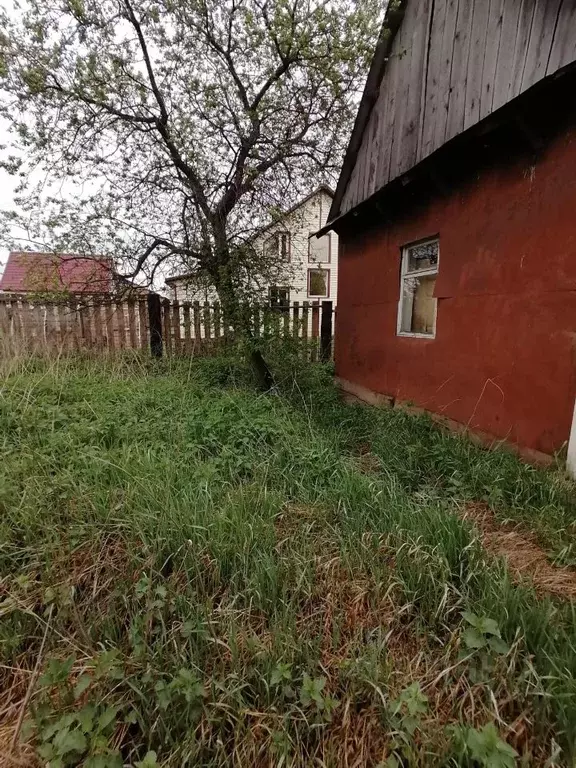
column 69, row 727
column 310, row 691
column 482, row 644
column 483, row 747
column 405, row 716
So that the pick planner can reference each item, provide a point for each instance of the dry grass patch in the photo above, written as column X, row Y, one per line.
column 525, row 558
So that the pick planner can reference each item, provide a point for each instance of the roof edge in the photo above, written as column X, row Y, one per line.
column 390, row 26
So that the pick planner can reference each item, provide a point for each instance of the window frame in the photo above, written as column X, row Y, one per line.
column 318, row 296
column 310, row 259
column 405, row 274
column 278, row 235
column 279, row 306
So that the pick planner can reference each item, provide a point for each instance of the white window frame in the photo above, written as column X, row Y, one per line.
column 406, row 275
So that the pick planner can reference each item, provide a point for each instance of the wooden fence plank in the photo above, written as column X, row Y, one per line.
column 143, row 326
column 132, row 328
column 4, row 321
column 155, row 324
column 295, row 320
column 21, row 319
column 187, row 330
column 75, row 326
column 58, row 327
column 99, row 336
column 63, row 339
column 305, row 309
column 167, row 327
column 326, row 331
column 86, row 313
column 49, row 327
column 182, row 328
column 315, row 329
column 286, row 324
column 197, row 327
column 206, row 319
column 176, row 327
column 121, row 325
column 109, row 312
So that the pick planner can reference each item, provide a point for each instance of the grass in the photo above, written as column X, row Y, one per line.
column 194, row 574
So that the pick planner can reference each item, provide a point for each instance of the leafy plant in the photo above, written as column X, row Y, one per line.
column 84, row 735
column 150, row 761
column 158, row 563
column 484, row 747
column 184, row 686
column 482, row 642
column 312, row 695
column 407, row 709
column 405, row 714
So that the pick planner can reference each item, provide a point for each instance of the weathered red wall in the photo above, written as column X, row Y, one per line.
column 503, row 359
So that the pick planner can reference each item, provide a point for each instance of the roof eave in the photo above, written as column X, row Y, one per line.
column 390, row 26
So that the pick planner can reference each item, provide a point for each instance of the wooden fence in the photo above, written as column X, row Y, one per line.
column 155, row 325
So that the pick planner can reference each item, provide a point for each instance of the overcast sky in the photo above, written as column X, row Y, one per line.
column 7, row 184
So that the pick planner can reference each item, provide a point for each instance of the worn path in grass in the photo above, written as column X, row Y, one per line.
column 206, row 576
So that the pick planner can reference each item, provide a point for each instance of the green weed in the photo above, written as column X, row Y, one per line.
column 220, row 583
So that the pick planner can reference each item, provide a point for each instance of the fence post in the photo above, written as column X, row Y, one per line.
column 155, row 324
column 326, row 332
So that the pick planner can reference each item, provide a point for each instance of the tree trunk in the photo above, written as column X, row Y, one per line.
column 234, row 316
column 262, row 370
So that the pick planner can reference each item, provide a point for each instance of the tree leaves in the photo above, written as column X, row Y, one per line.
column 167, row 131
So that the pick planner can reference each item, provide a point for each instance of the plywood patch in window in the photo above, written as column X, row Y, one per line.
column 525, row 558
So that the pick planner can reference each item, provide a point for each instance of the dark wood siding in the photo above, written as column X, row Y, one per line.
column 453, row 63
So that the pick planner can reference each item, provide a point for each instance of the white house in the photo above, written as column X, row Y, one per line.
column 305, row 267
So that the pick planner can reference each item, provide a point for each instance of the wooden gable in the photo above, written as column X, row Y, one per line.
column 441, row 68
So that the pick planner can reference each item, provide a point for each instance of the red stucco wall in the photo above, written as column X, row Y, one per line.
column 503, row 360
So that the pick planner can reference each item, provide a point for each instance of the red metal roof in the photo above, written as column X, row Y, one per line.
column 27, row 271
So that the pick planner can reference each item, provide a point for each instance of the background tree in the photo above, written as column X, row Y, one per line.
column 163, row 131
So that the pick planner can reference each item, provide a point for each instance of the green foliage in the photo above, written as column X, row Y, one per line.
column 312, row 695
column 408, row 707
column 482, row 645
column 483, row 633
column 149, row 761
column 405, row 715
column 484, row 747
column 222, row 574
column 166, row 131
column 82, row 735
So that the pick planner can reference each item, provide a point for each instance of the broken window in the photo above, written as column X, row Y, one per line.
column 318, row 283
column 278, row 246
column 417, row 306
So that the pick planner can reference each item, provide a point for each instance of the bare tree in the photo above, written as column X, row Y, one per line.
column 162, row 130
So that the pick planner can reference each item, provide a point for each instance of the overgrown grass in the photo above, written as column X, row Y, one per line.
column 208, row 576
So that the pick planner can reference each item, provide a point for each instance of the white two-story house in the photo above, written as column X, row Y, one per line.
column 305, row 267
